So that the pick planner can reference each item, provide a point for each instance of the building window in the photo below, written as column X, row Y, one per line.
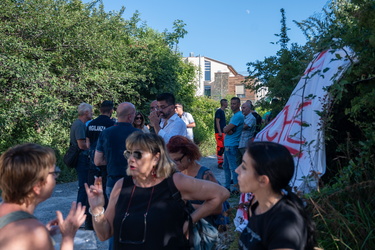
column 207, row 91
column 207, row 70
column 240, row 91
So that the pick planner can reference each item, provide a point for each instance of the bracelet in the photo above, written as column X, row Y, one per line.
column 96, row 215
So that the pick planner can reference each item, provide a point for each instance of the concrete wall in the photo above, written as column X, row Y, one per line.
column 219, row 88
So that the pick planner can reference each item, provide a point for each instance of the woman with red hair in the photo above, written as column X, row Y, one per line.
column 185, row 154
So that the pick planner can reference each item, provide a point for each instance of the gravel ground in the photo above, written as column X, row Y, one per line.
column 64, row 194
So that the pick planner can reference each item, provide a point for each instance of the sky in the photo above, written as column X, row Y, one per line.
column 234, row 32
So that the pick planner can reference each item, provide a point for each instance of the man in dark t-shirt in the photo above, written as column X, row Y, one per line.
column 111, row 145
column 219, row 124
column 93, row 131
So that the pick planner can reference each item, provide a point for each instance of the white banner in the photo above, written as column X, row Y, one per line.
column 298, row 126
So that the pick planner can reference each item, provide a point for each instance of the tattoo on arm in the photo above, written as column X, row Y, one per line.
column 209, row 176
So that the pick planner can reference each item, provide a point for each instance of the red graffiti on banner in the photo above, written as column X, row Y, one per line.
column 318, row 64
column 284, row 133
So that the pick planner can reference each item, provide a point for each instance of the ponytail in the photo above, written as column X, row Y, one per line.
column 296, row 202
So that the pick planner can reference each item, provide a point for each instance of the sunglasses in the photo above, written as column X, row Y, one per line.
column 138, row 118
column 179, row 160
column 136, row 154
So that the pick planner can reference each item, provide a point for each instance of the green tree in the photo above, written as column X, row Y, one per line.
column 55, row 54
column 179, row 32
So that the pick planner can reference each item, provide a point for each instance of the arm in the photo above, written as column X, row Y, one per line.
column 88, row 142
column 194, row 189
column 217, row 120
column 209, row 176
column 82, row 144
column 99, row 159
column 103, row 223
column 249, row 122
column 155, row 120
column 190, row 125
column 70, row 225
column 191, row 122
column 229, row 127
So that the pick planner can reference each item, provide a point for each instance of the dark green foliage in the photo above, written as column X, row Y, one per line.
column 345, row 218
column 55, row 54
column 344, row 209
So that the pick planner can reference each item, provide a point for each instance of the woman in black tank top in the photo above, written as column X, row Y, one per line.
column 142, row 214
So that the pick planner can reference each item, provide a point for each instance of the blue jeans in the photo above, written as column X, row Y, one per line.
column 230, row 165
column 82, row 173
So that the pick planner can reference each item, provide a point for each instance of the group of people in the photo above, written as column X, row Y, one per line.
column 232, row 138
column 102, row 140
column 128, row 193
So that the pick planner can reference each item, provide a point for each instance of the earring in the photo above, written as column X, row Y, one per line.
column 153, row 172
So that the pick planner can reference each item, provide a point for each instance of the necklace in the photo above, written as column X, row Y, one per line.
column 144, row 219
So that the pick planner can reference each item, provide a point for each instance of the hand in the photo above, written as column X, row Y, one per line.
column 185, row 229
column 53, row 227
column 73, row 221
column 95, row 193
column 220, row 134
column 154, row 118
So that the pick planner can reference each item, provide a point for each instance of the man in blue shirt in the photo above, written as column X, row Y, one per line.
column 231, row 141
column 111, row 145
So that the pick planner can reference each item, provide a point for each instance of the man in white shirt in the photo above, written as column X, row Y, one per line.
column 170, row 123
column 188, row 119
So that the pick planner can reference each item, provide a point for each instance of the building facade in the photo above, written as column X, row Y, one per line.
column 217, row 79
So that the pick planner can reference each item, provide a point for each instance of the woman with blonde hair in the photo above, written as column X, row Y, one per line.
column 142, row 214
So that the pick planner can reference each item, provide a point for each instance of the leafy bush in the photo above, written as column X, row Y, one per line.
column 203, row 110
column 56, row 54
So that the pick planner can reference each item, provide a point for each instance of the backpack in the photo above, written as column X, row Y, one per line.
column 218, row 219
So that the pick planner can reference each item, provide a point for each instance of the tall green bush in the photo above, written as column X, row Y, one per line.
column 203, row 110
column 55, row 54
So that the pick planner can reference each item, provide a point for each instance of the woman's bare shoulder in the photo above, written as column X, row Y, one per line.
column 25, row 234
